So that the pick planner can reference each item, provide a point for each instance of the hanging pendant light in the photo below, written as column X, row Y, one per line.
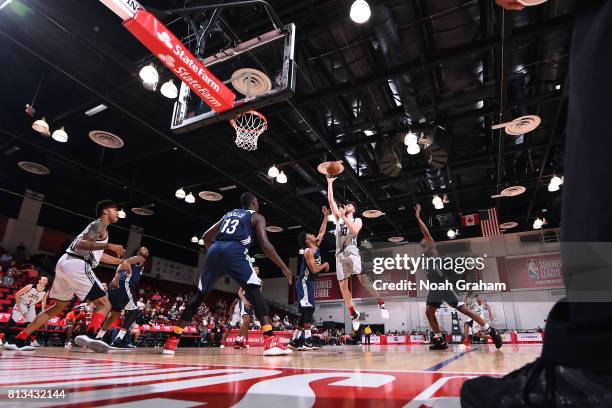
column 41, row 126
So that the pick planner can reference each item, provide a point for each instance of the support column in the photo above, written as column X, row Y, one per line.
column 24, row 228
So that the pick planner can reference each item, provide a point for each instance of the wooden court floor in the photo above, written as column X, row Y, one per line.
column 334, row 376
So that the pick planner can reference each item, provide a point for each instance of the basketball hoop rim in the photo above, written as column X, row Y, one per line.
column 252, row 112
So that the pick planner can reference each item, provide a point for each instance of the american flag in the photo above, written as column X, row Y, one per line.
column 489, row 224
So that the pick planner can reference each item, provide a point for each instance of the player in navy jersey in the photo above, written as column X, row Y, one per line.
column 228, row 254
column 121, row 296
column 310, row 266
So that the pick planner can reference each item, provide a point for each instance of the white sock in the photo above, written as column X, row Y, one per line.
column 239, row 339
column 307, row 333
column 100, row 334
column 296, row 334
column 120, row 334
column 485, row 328
column 437, row 335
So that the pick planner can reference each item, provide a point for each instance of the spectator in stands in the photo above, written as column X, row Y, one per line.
column 179, row 298
column 156, row 297
column 8, row 279
column 140, row 304
column 6, row 260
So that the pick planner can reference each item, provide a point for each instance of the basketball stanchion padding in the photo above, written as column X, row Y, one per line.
column 249, row 126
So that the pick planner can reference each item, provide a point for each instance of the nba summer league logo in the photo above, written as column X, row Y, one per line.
column 441, row 273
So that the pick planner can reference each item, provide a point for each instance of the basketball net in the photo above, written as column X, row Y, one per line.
column 249, row 126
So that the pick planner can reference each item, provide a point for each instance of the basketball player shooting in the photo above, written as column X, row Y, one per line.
column 436, row 297
column 233, row 236
column 348, row 260
column 26, row 300
column 74, row 276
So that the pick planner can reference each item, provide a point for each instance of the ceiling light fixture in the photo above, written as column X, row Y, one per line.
column 149, row 77
column 281, row 178
column 96, row 109
column 180, row 193
column 41, row 126
column 169, row 90
column 437, row 202
column 226, row 188
column 413, row 149
column 189, row 198
column 555, row 183
column 538, row 223
column 60, row 135
column 201, row 242
column 273, row 172
column 451, row 234
column 194, row 239
column 121, row 213
column 410, row 139
column 360, row 11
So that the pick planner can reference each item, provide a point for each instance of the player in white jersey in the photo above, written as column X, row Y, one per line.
column 74, row 276
column 26, row 300
column 478, row 306
column 348, row 260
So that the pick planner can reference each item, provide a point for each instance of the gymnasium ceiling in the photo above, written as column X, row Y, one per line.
column 449, row 68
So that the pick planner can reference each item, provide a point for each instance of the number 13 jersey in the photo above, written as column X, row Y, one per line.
column 236, row 226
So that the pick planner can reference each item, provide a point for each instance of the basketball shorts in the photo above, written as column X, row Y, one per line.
column 28, row 315
column 436, row 297
column 121, row 298
column 227, row 258
column 236, row 320
column 245, row 311
column 74, row 276
column 475, row 326
column 304, row 292
column 347, row 265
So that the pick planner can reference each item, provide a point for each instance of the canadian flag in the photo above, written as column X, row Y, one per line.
column 469, row 220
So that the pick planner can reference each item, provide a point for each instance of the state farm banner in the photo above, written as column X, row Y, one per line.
column 396, row 339
column 534, row 272
column 327, row 287
column 174, row 271
column 171, row 51
column 529, row 337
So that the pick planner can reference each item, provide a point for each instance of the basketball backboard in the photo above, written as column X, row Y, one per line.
column 260, row 71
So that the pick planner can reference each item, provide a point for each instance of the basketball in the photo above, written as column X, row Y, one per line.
column 334, row 168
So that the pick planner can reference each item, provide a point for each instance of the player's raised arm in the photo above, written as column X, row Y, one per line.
column 267, row 247
column 323, row 227
column 422, row 226
column 210, row 235
column 330, row 197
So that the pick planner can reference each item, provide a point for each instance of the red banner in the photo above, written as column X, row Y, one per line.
column 533, row 272
column 256, row 337
column 171, row 51
column 327, row 287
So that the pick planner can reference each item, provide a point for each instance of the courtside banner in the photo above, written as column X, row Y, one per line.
column 327, row 288
column 165, row 46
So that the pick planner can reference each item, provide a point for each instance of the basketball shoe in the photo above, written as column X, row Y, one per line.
column 170, row 346
column 438, row 343
column 384, row 313
column 355, row 319
column 272, row 347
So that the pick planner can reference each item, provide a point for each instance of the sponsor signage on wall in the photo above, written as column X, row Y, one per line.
column 534, row 272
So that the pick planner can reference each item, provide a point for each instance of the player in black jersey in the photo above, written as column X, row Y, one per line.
column 310, row 266
column 436, row 297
